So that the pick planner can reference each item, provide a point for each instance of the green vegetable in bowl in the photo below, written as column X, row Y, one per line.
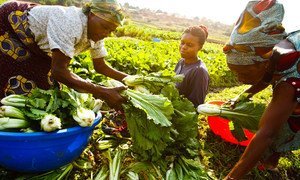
column 50, row 123
column 11, row 123
column 10, row 111
column 84, row 117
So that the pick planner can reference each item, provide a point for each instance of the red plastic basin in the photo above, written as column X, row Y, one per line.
column 220, row 127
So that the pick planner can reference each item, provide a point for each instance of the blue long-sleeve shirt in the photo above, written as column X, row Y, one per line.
column 195, row 83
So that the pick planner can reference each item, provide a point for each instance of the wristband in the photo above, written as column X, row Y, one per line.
column 231, row 178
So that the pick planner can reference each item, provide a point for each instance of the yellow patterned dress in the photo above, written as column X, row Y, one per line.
column 23, row 65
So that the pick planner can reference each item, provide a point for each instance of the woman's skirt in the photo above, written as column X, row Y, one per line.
column 23, row 66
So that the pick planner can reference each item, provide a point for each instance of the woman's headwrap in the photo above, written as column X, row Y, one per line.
column 256, row 32
column 109, row 10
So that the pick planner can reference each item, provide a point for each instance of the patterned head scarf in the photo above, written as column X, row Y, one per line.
column 257, row 31
column 109, row 10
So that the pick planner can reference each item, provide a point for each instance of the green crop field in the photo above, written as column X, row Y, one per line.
column 2, row 1
column 131, row 49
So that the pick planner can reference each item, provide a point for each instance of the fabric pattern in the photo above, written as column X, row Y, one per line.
column 288, row 70
column 109, row 10
column 63, row 28
column 288, row 67
column 256, row 32
column 23, row 65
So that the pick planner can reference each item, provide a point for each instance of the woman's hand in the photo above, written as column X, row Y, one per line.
column 243, row 97
column 111, row 96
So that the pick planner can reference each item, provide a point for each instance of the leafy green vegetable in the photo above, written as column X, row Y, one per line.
column 183, row 168
column 244, row 115
column 157, row 78
column 158, row 108
column 52, row 109
column 149, row 139
column 162, row 124
column 10, row 111
column 154, row 82
column 12, row 123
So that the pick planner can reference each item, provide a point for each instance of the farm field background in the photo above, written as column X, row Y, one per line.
column 142, row 47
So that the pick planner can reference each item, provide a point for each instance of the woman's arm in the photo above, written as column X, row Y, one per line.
column 102, row 68
column 61, row 73
column 281, row 106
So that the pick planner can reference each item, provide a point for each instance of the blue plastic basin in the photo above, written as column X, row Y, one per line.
column 42, row 151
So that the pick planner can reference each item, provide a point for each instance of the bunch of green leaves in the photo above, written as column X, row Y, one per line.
column 149, row 139
column 245, row 115
column 148, row 121
column 178, row 138
column 184, row 124
column 154, row 82
column 183, row 131
column 183, row 168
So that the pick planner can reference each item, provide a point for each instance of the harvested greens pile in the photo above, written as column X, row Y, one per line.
column 163, row 129
column 48, row 110
column 163, row 132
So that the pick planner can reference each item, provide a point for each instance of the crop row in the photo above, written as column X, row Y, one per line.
column 140, row 57
column 135, row 56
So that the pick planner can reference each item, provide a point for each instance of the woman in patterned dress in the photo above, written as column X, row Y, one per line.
column 37, row 43
column 262, row 54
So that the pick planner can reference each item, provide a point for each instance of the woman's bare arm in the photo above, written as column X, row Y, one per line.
column 281, row 106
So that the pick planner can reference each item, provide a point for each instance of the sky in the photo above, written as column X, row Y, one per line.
column 224, row 11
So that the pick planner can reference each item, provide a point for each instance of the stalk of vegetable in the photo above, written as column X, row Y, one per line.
column 115, row 164
column 102, row 174
column 97, row 105
column 106, row 144
column 50, row 123
column 157, row 78
column 14, row 100
column 10, row 123
column 10, row 111
column 209, row 109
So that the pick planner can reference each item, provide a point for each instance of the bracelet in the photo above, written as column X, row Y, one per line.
column 231, row 178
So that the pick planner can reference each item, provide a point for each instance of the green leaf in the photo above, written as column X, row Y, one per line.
column 158, row 108
column 246, row 114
